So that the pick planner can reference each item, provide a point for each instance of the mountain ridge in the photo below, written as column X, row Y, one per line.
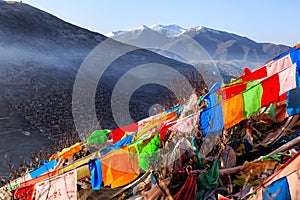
column 219, row 45
column 172, row 26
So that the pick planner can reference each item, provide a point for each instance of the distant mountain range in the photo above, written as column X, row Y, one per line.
column 200, row 44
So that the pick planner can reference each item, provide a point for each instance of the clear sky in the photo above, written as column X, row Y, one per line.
column 261, row 20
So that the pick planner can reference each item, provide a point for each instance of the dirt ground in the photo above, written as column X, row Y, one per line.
column 104, row 193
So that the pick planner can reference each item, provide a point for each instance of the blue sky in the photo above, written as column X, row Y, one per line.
column 261, row 20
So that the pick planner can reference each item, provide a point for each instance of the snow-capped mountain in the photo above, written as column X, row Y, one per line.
column 201, row 43
column 115, row 33
column 122, row 32
column 172, row 30
column 169, row 30
column 144, row 37
column 204, row 29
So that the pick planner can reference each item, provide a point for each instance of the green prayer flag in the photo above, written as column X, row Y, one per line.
column 252, row 98
column 271, row 112
column 148, row 153
column 198, row 154
column 98, row 137
column 208, row 180
column 276, row 157
column 235, row 81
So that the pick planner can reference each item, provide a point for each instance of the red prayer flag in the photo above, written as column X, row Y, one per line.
column 258, row 74
column 270, row 90
column 118, row 133
column 25, row 193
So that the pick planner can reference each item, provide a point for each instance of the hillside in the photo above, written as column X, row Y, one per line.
column 40, row 57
